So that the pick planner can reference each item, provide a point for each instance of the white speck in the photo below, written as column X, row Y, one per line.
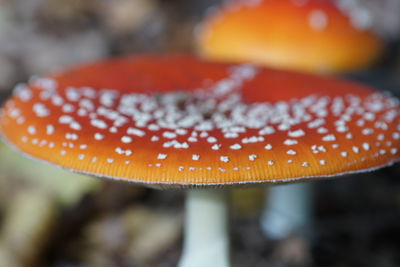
column 153, row 127
column 329, row 138
column 75, row 126
column 203, row 134
column 32, row 130
column 40, row 110
column 360, row 123
column 290, row 142
column 268, row 147
column 23, row 92
column 192, row 139
column 72, row 94
column 50, row 129
column 291, row 152
column 343, row 154
column 181, row 168
column 266, row 130
column 355, row 149
column 126, row 139
column 322, row 130
column 63, row 152
column 109, row 160
column 57, row 100
column 68, row 108
column 81, row 157
column 84, row 146
column 252, row 157
column 342, row 129
column 169, row 135
column 231, row 135
column 284, row 126
column 43, row 143
column 349, row 136
column 71, row 136
column 154, row 138
column 393, row 151
column 366, row 146
column 195, row 157
column 271, row 162
column 216, row 147
column 224, row 158
column 183, row 145
column 315, row 124
column 21, row 120
column 65, row 119
column 367, row 131
column 369, row 116
column 322, row 162
column 252, row 139
column 236, row 146
column 162, row 156
column 119, row 150
column 181, row 131
column 98, row 123
column 211, row 139
column 305, row 164
column 14, row 113
column 137, row 132
column 318, row 20
column 297, row 133
column 82, row 113
column 98, row 136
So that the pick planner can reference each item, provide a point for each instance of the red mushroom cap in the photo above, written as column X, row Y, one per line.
column 306, row 35
column 179, row 121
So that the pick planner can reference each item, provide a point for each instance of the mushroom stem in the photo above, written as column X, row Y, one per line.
column 206, row 240
column 287, row 210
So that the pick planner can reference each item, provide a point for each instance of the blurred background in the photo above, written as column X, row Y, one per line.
column 52, row 218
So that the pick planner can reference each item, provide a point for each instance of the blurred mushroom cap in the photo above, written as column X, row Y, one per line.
column 304, row 35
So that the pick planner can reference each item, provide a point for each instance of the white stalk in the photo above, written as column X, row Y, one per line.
column 288, row 209
column 206, row 240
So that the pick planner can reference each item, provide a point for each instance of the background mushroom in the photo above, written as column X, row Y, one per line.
column 314, row 36
column 179, row 122
column 309, row 35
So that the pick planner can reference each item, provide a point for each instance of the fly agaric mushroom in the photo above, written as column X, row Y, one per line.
column 179, row 122
column 308, row 35
column 303, row 35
